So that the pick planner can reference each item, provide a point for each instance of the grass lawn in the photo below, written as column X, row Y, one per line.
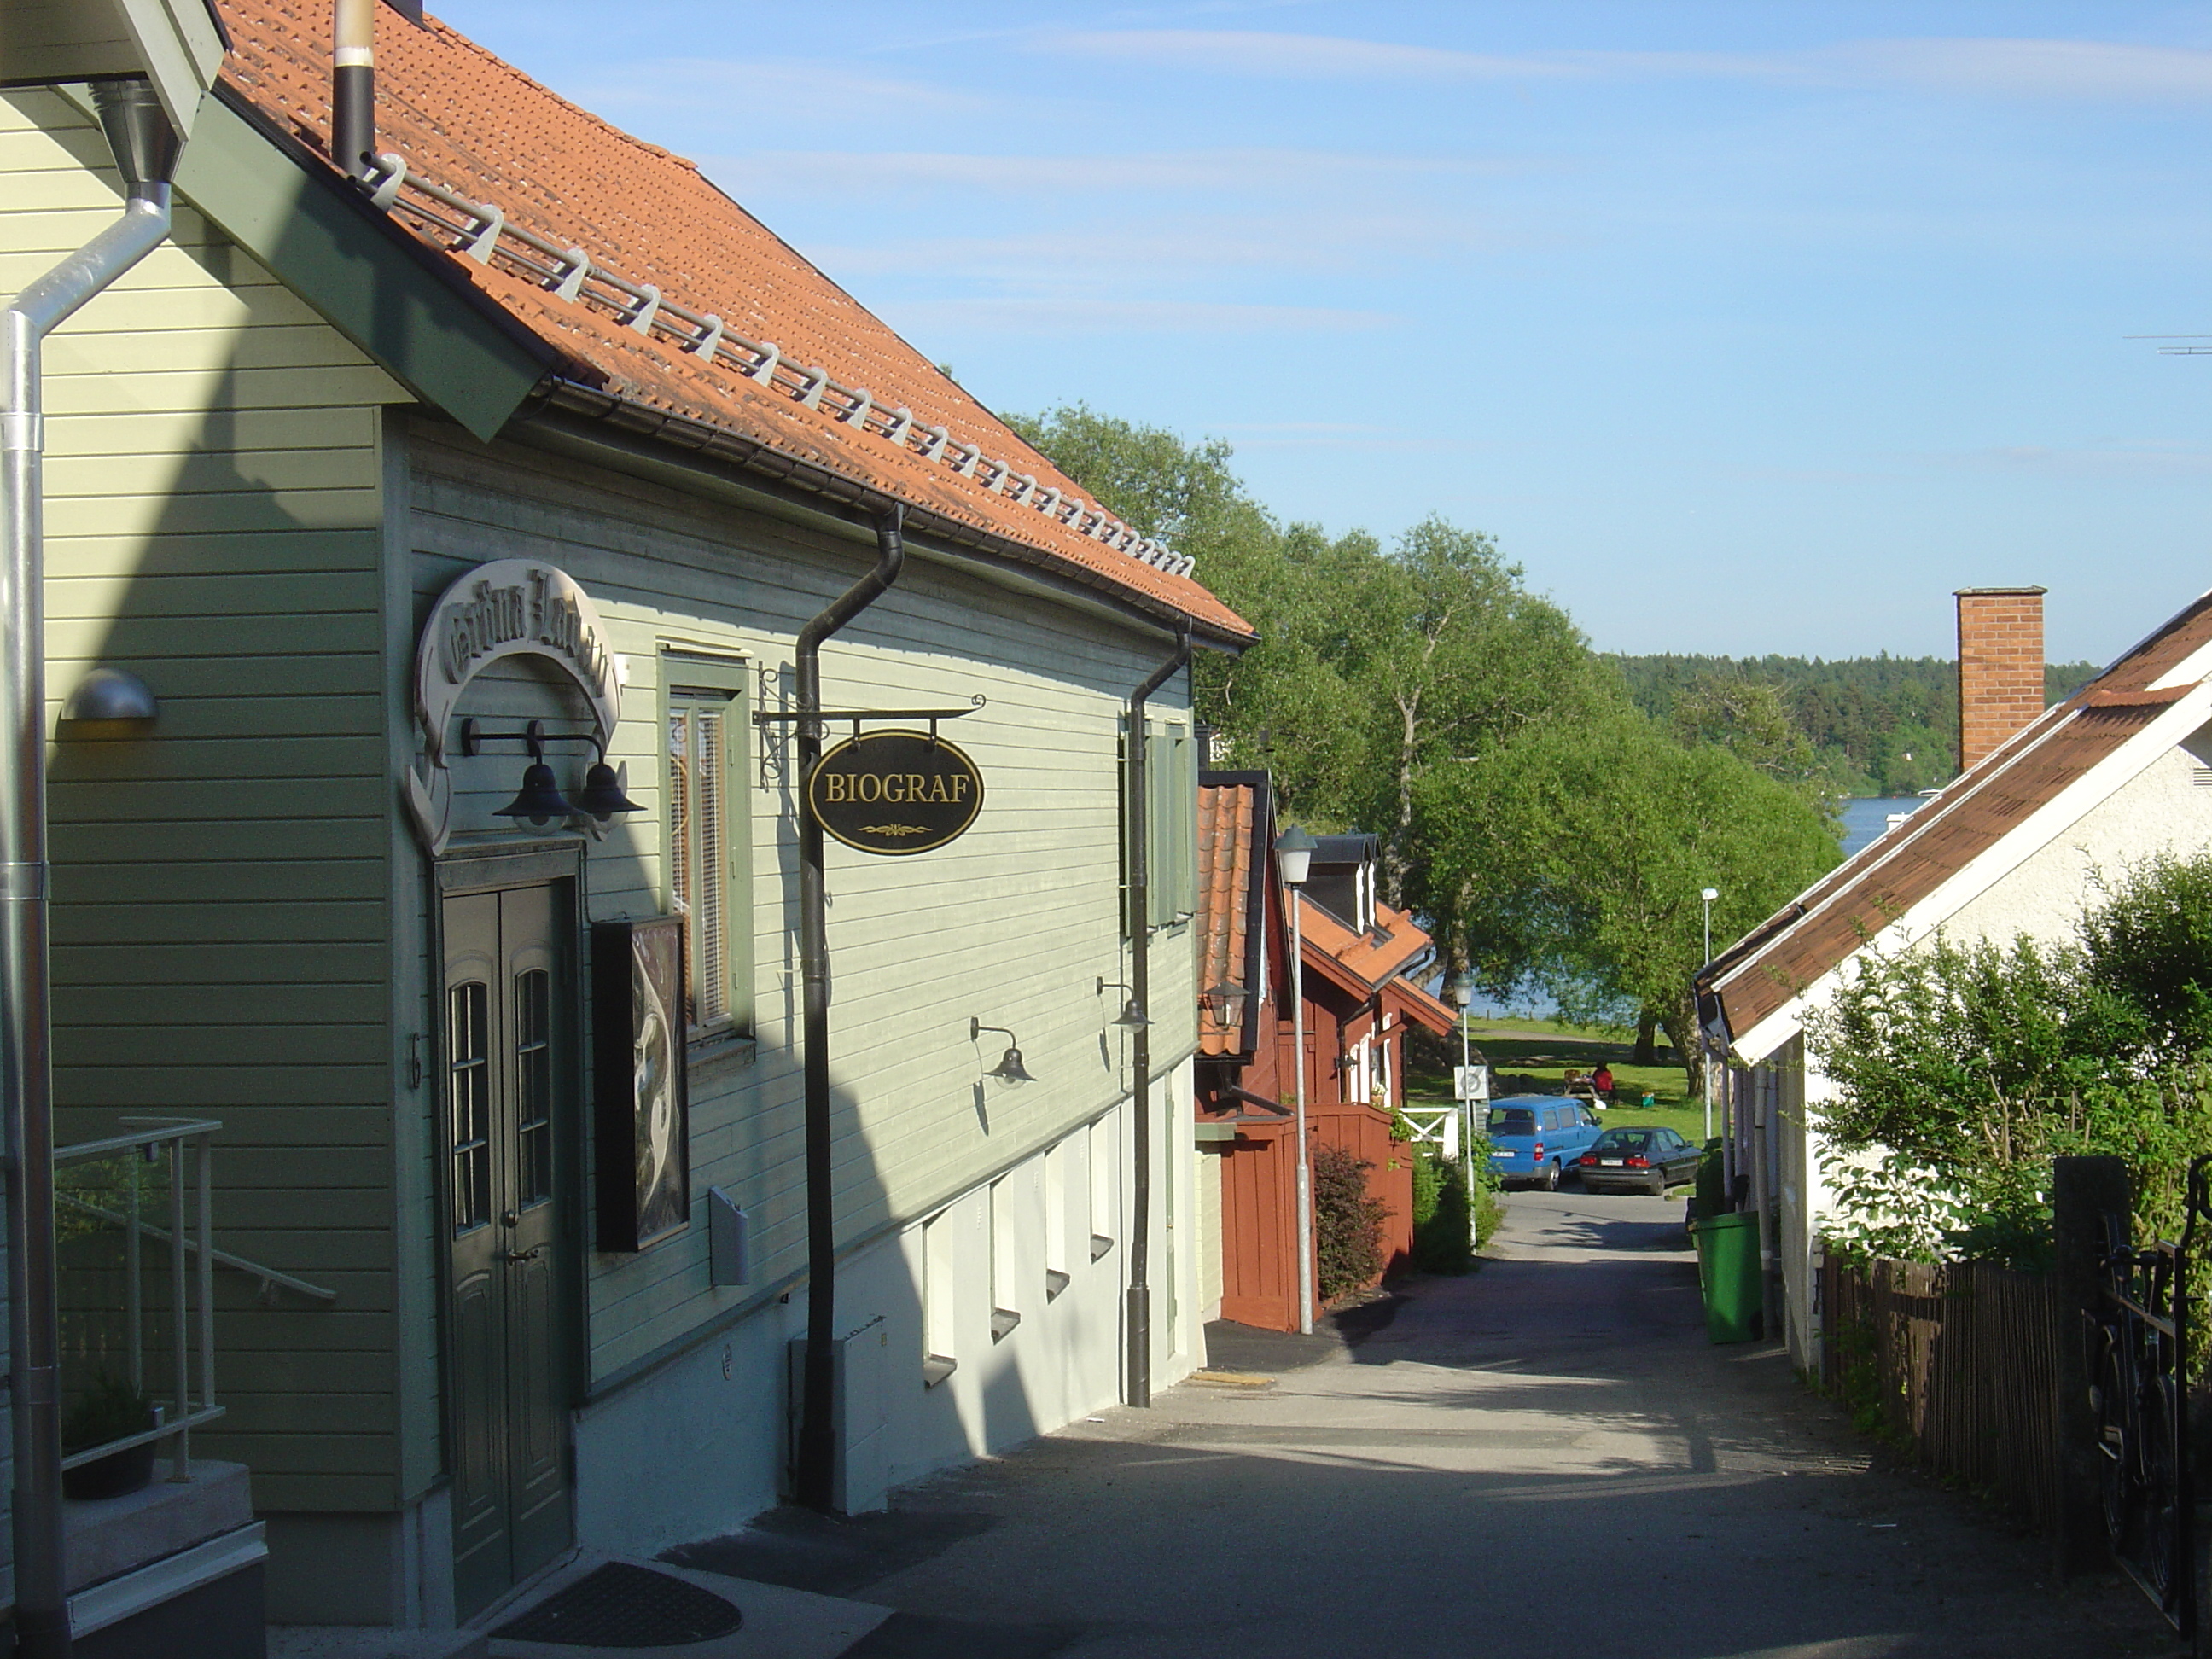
column 1543, row 1051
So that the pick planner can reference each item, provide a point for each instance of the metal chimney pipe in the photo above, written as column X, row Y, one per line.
column 353, row 86
column 145, row 149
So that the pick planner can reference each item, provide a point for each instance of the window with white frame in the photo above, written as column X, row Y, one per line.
column 709, row 849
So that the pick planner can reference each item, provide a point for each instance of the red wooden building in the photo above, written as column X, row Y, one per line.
column 1358, row 982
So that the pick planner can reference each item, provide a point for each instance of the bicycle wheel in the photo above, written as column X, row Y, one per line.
column 2160, row 1468
column 2114, row 1399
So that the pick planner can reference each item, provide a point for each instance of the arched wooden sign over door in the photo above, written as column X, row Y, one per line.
column 510, row 607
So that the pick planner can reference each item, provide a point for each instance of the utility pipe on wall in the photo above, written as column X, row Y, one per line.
column 1138, row 1362
column 145, row 149
column 815, row 1480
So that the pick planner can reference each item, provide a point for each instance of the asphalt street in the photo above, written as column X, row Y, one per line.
column 1545, row 1457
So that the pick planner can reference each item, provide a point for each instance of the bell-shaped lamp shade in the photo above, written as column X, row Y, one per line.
column 539, row 799
column 1294, row 851
column 1010, row 1068
column 109, row 702
column 1461, row 989
column 603, row 795
column 1132, row 1018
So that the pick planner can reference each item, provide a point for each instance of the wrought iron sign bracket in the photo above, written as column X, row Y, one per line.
column 533, row 736
column 767, row 718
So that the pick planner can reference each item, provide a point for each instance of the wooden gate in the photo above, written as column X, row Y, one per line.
column 1258, row 1206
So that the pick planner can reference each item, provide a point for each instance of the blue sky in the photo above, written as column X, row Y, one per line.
column 1744, row 327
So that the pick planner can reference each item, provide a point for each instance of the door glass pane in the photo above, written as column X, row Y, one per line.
column 533, row 1082
column 468, row 1094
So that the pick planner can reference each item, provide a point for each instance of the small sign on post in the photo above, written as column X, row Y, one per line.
column 1470, row 1083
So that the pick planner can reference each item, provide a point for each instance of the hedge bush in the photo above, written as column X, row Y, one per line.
column 1347, row 1223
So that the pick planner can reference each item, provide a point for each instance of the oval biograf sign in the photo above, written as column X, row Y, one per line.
column 895, row 792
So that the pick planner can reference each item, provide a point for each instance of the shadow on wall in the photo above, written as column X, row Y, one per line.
column 232, row 894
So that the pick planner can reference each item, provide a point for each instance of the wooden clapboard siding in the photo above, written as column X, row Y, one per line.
column 1013, row 924
column 221, row 888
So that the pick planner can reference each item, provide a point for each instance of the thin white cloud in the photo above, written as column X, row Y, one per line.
column 1062, row 317
column 901, row 172
column 1319, row 57
column 765, row 95
column 2011, row 68
column 2117, row 461
column 2065, row 68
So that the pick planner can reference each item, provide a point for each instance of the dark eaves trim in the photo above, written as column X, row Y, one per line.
column 699, row 437
column 401, row 302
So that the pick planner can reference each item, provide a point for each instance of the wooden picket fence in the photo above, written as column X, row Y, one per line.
column 1954, row 1362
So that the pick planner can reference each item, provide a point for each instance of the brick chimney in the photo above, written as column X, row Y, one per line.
column 2000, row 666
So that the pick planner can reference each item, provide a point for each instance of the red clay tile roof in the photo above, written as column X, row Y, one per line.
column 1371, row 957
column 1420, row 1007
column 1771, row 964
column 1226, row 813
column 465, row 120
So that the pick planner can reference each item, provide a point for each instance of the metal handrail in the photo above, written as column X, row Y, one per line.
column 191, row 1299
column 267, row 1275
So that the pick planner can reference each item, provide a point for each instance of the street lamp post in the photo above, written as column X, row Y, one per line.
column 1704, row 1055
column 1461, row 990
column 1294, row 851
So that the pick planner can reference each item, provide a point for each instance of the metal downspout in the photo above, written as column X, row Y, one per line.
column 1137, row 1388
column 815, row 1480
column 145, row 149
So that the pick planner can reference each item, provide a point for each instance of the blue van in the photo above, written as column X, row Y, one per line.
column 1533, row 1138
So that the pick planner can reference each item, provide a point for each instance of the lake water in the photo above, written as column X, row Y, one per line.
column 1865, row 817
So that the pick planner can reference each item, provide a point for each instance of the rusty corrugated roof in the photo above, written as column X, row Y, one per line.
column 1832, row 919
column 459, row 116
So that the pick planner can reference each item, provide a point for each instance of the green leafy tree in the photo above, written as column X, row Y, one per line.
column 1375, row 665
column 1582, row 849
column 2148, row 947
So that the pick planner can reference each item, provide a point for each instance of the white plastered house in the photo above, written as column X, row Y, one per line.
column 2117, row 772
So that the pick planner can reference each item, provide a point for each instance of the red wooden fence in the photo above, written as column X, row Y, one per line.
column 1258, row 1206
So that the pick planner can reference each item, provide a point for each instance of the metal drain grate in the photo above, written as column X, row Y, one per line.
column 620, row 1606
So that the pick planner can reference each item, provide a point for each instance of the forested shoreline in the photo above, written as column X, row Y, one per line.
column 1878, row 726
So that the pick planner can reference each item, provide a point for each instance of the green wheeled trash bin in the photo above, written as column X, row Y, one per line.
column 1710, row 1196
column 1728, row 1273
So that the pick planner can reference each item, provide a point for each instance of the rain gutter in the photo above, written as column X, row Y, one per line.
column 839, row 492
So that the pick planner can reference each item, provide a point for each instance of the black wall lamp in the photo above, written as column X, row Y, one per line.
column 1010, row 1068
column 1132, row 1018
column 540, row 799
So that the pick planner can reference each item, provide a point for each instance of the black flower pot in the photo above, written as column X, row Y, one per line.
column 111, row 1476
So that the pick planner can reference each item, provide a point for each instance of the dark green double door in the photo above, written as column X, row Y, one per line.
column 510, row 1065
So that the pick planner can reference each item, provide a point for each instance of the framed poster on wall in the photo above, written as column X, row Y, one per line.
column 641, row 1114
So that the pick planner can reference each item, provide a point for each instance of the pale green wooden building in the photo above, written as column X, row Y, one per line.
column 534, row 425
